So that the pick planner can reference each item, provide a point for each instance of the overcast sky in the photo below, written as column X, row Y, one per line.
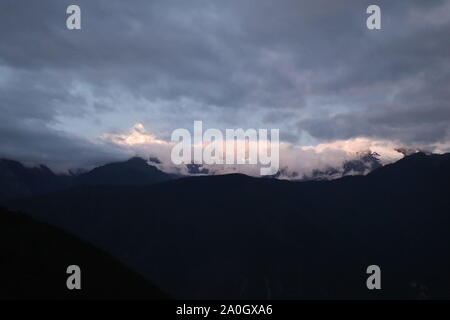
column 310, row 68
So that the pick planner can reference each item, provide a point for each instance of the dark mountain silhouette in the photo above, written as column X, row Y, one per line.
column 234, row 236
column 34, row 258
column 134, row 172
column 17, row 180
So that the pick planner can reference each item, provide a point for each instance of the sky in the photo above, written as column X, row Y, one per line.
column 73, row 98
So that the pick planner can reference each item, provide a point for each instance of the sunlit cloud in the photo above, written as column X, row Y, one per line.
column 295, row 161
column 137, row 135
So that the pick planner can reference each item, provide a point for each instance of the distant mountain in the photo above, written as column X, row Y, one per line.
column 134, row 172
column 365, row 163
column 234, row 236
column 16, row 180
column 34, row 258
column 194, row 169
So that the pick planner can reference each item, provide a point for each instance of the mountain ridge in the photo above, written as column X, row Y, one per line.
column 18, row 180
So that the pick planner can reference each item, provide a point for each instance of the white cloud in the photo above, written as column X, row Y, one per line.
column 294, row 160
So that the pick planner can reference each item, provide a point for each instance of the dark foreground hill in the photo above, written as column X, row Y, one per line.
column 239, row 237
column 34, row 258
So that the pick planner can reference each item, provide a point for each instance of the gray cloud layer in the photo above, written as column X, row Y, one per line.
column 310, row 68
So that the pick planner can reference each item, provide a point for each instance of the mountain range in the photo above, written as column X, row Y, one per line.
column 240, row 237
column 17, row 180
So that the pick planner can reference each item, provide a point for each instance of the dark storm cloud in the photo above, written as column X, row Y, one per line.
column 295, row 65
column 34, row 143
